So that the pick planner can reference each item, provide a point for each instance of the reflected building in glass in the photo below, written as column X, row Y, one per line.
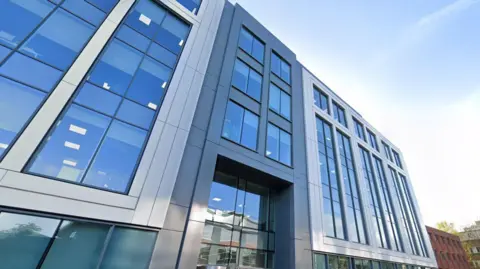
column 182, row 134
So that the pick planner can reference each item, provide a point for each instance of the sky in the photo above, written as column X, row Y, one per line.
column 412, row 69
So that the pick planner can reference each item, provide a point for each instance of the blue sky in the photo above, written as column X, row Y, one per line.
column 412, row 69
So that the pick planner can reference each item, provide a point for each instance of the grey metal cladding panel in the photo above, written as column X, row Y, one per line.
column 280, row 83
column 191, row 245
column 176, row 218
column 197, row 137
column 298, row 122
column 279, row 121
column 250, row 61
column 302, row 224
column 245, row 101
column 187, row 175
column 204, row 109
column 166, row 249
column 284, row 248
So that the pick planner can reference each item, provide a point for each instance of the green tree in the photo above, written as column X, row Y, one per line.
column 448, row 227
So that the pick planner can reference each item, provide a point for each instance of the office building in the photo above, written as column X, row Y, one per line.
column 470, row 238
column 183, row 134
column 448, row 250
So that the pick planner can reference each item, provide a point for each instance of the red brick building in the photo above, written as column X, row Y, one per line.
column 448, row 250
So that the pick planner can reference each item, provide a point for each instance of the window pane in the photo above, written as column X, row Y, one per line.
column 319, row 261
column 23, row 239
column 273, row 142
column 245, row 41
column 275, row 64
column 71, row 145
column 84, row 10
column 191, row 5
column 173, row 33
column 129, row 248
column 217, row 233
column 31, row 72
column 77, row 245
column 285, row 71
column 285, row 148
column 59, row 40
column 132, row 37
column 3, row 52
column 232, row 125
column 274, row 98
column 240, row 76
column 149, row 83
column 117, row 158
column 254, row 239
column 98, row 99
column 254, row 85
column 105, row 5
column 113, row 72
column 213, row 255
column 255, row 213
column 135, row 114
column 17, row 105
column 163, row 55
column 285, row 105
column 249, row 131
column 146, row 17
column 256, row 258
column 19, row 18
column 221, row 204
column 324, row 102
column 258, row 50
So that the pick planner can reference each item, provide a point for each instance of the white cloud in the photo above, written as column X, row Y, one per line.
column 446, row 11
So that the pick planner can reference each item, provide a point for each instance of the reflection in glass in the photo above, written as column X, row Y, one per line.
column 3, row 52
column 249, row 130
column 256, row 258
column 232, row 126
column 192, row 5
column 23, row 239
column 214, row 255
column 77, row 245
column 221, row 204
column 273, row 145
column 85, row 10
column 217, row 233
column 319, row 261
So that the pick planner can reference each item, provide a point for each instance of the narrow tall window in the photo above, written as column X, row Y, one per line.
column 332, row 206
column 247, row 80
column 339, row 114
column 279, row 145
column 354, row 215
column 373, row 140
column 320, row 99
column 240, row 126
column 387, row 152
column 397, row 159
column 280, row 68
column 39, row 41
column 279, row 101
column 251, row 45
column 100, row 137
column 373, row 194
column 359, row 130
column 388, row 212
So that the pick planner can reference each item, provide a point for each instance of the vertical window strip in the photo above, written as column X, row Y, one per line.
column 359, row 129
column 378, row 220
column 388, row 209
column 388, row 153
column 334, row 225
column 351, row 190
column 416, row 228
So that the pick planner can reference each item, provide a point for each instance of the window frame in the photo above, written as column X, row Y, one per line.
column 254, row 37
column 279, row 133
column 357, row 124
column 241, row 130
column 321, row 94
column 194, row 12
column 397, row 159
column 374, row 136
column 250, row 69
column 282, row 61
column 84, row 80
column 17, row 49
column 281, row 91
column 336, row 115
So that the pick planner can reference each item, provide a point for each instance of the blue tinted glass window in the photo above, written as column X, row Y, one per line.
column 320, row 100
column 85, row 10
column 192, row 5
column 397, row 159
column 105, row 5
column 339, row 114
column 285, row 148
column 59, row 40
column 172, row 34
column 149, row 83
column 117, row 158
column 274, row 98
column 17, row 105
column 251, row 45
column 249, row 131
column 258, row 50
column 273, row 144
column 254, row 88
column 135, row 114
column 68, row 150
column 233, row 122
column 114, row 73
column 373, row 140
column 3, row 52
column 31, row 72
column 279, row 101
column 19, row 18
column 132, row 37
column 223, row 193
column 98, row 99
column 163, row 55
column 146, row 18
column 247, row 80
column 359, row 129
column 280, row 68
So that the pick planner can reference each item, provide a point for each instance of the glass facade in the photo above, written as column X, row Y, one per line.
column 279, row 101
column 339, row 114
column 373, row 140
column 240, row 126
column 240, row 224
column 387, row 152
column 192, row 5
column 333, row 220
column 329, row 261
column 374, row 200
column 41, row 242
column 279, row 145
column 39, row 41
column 251, row 45
column 359, row 130
column 280, row 68
column 396, row 158
column 100, row 136
column 247, row 80
column 320, row 99
column 354, row 214
column 389, row 214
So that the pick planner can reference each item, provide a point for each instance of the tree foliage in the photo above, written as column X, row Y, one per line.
column 448, row 227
